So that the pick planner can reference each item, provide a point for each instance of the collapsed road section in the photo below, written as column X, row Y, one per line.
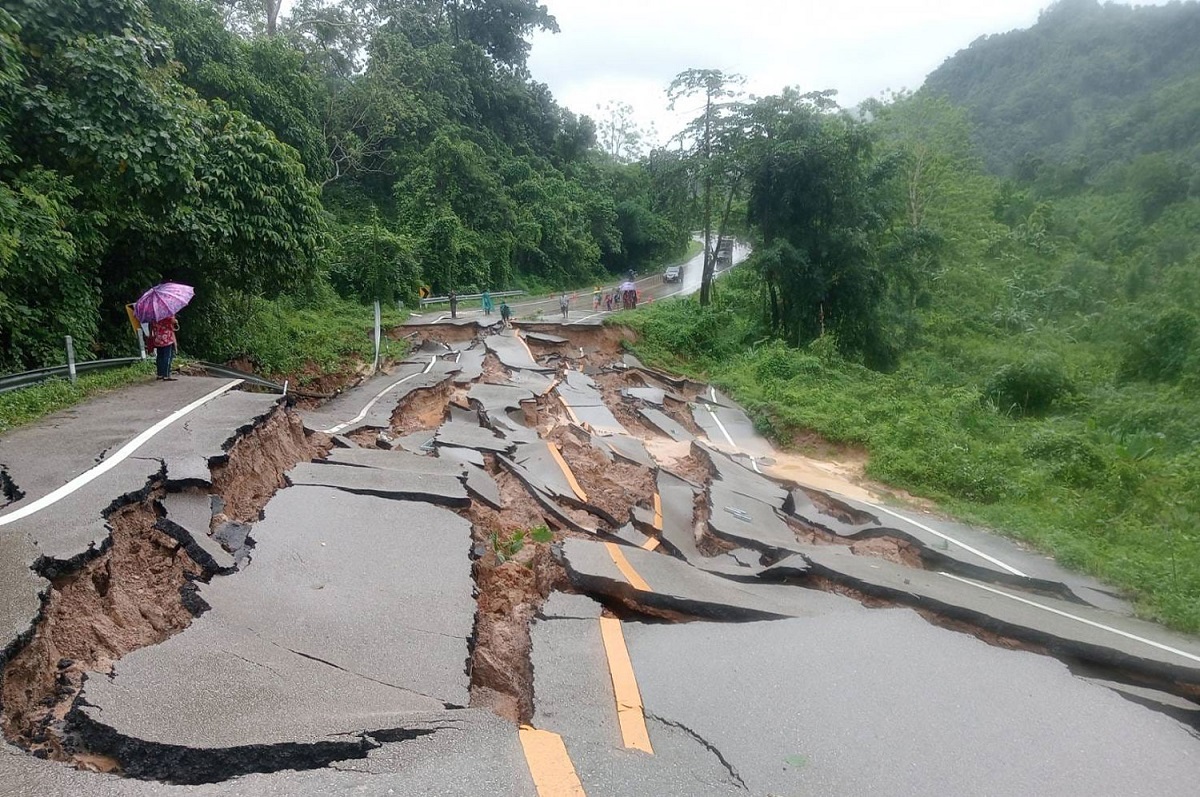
column 524, row 562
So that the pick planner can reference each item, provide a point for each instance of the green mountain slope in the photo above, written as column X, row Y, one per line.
column 1087, row 86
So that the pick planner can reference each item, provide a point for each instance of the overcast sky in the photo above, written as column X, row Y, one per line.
column 631, row 49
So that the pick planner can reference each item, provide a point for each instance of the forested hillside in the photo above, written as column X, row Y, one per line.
column 349, row 151
column 1088, row 87
column 1023, row 344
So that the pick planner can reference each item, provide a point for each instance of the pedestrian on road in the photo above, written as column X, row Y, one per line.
column 162, row 340
column 564, row 304
column 608, row 301
column 487, row 303
column 596, row 298
column 505, row 314
column 453, row 304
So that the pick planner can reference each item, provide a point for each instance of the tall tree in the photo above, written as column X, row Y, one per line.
column 714, row 139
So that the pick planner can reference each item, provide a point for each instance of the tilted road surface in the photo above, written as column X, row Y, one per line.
column 519, row 563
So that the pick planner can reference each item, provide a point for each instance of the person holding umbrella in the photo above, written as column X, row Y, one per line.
column 158, row 307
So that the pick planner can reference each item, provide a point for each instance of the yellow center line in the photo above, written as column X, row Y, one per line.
column 651, row 544
column 658, row 517
column 571, row 412
column 549, row 764
column 521, row 338
column 635, row 580
column 630, row 715
column 562, row 463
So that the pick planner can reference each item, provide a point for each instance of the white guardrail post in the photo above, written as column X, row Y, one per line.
column 71, row 359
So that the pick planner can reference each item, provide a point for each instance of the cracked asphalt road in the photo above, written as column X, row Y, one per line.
column 248, row 606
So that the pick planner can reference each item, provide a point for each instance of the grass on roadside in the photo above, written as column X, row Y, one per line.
column 1107, row 480
column 19, row 407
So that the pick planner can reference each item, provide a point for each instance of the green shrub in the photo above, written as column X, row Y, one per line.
column 1159, row 348
column 1030, row 387
column 1072, row 459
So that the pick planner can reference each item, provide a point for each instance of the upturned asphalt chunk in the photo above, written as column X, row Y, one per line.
column 674, row 586
column 664, row 423
column 578, row 391
column 512, row 352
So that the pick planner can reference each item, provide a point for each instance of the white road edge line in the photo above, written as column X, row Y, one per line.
column 112, row 461
column 947, row 538
column 375, row 400
column 969, row 549
column 713, row 392
column 1083, row 620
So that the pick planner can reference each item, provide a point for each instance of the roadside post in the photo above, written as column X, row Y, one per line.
column 71, row 359
column 137, row 330
column 377, row 336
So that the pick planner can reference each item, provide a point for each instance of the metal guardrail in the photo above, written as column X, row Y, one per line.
column 27, row 378
column 469, row 297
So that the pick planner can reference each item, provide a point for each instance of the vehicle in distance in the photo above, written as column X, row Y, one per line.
column 673, row 274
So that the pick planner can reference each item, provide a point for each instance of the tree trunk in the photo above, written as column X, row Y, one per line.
column 271, row 9
column 709, row 255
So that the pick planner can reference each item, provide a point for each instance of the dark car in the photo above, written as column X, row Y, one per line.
column 673, row 274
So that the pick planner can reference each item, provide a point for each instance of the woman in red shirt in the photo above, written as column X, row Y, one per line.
column 162, row 338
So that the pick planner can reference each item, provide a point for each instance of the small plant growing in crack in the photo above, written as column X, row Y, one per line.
column 506, row 548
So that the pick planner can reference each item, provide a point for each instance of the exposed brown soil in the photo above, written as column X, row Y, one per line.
column 616, row 487
column 130, row 596
column 681, row 413
column 602, row 344
column 509, row 593
column 366, row 437
column 494, row 373
column 624, row 410
column 706, row 542
column 137, row 592
column 438, row 333
column 895, row 550
column 836, row 509
column 422, row 410
column 693, row 467
column 254, row 467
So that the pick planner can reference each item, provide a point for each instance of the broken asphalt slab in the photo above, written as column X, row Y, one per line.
column 394, row 484
column 728, row 427
column 353, row 608
column 512, row 352
column 650, row 395
column 1063, row 628
column 498, row 399
column 881, row 702
column 575, row 700
column 20, row 588
column 41, row 457
column 464, row 435
column 666, row 584
column 579, row 393
column 747, row 522
column 659, row 420
column 191, row 445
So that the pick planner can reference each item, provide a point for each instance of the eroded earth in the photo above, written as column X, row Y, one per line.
column 522, row 562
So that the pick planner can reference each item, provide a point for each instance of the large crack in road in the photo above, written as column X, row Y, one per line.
column 327, row 568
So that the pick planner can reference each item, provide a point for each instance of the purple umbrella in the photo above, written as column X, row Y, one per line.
column 163, row 301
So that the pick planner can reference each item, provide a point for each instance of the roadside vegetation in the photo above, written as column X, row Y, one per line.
column 290, row 166
column 1020, row 343
column 18, row 407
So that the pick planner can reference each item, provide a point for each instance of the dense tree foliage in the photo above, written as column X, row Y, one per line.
column 1088, row 86
column 368, row 145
